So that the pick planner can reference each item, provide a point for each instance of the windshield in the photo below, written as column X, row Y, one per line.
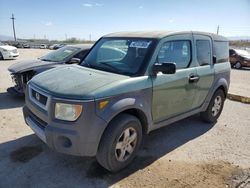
column 243, row 52
column 61, row 54
column 118, row 55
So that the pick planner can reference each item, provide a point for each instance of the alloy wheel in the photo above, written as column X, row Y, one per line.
column 126, row 144
column 217, row 105
column 238, row 65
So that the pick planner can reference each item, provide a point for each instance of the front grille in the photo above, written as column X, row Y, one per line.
column 38, row 97
column 40, row 123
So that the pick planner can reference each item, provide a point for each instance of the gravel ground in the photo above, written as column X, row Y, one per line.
column 189, row 153
column 240, row 82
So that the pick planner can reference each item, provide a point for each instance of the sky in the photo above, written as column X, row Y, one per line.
column 61, row 19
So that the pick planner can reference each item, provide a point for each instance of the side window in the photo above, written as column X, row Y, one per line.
column 178, row 52
column 221, row 51
column 203, row 52
column 81, row 54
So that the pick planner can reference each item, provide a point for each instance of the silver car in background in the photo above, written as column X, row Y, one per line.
column 8, row 52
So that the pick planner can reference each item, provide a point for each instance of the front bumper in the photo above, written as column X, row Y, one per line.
column 80, row 137
column 59, row 139
column 10, row 55
column 246, row 63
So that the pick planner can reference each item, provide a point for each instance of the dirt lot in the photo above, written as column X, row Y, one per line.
column 189, row 153
column 240, row 82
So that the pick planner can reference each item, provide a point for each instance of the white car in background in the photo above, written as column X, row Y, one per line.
column 43, row 46
column 8, row 52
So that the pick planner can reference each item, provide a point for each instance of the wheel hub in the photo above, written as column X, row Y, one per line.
column 126, row 144
column 237, row 65
column 217, row 105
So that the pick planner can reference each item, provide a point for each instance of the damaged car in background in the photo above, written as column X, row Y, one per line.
column 23, row 71
column 8, row 52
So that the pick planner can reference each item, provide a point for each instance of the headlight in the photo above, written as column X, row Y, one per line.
column 67, row 112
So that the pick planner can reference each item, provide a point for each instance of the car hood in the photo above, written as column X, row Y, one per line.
column 27, row 65
column 7, row 47
column 74, row 81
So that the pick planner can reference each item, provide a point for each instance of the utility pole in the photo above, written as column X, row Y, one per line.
column 89, row 37
column 66, row 36
column 13, row 24
column 218, row 29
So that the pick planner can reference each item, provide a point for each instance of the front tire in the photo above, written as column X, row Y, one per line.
column 214, row 108
column 238, row 65
column 120, row 142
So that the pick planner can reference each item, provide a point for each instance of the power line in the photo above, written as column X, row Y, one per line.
column 13, row 24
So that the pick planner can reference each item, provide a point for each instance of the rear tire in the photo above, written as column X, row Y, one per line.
column 214, row 108
column 120, row 142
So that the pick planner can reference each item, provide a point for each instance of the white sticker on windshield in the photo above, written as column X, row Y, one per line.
column 140, row 44
column 68, row 51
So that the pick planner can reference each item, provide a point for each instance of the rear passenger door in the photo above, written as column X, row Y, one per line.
column 205, row 68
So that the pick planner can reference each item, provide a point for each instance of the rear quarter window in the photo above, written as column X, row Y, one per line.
column 221, row 51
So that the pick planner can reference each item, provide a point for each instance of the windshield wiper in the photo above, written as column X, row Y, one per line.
column 46, row 60
column 111, row 66
column 114, row 69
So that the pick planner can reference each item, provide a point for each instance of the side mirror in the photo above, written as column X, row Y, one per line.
column 74, row 61
column 214, row 59
column 165, row 68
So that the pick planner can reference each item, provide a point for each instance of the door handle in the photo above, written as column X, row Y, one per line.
column 193, row 78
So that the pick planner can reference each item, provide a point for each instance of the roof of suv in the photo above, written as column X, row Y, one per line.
column 82, row 46
column 162, row 34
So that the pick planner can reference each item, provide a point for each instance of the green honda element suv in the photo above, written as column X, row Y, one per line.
column 129, row 84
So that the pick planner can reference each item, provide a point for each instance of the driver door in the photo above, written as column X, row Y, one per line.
column 173, row 94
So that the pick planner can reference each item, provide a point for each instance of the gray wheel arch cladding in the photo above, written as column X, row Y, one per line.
column 221, row 83
column 133, row 106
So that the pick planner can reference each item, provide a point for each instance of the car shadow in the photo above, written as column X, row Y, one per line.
column 29, row 156
column 7, row 101
column 6, row 60
column 242, row 69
